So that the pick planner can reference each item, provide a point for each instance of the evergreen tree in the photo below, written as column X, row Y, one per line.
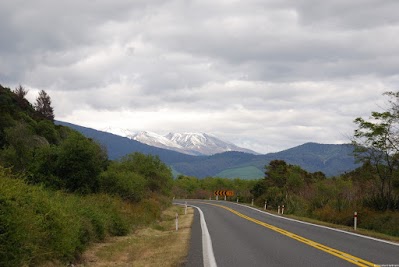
column 20, row 92
column 43, row 106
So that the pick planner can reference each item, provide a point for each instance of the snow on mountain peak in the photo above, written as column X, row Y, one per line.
column 154, row 139
column 188, row 142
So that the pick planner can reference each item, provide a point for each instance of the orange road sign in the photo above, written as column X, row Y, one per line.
column 227, row 193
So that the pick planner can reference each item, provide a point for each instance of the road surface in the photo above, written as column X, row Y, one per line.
column 242, row 236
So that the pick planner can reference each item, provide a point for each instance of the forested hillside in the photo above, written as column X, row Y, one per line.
column 59, row 192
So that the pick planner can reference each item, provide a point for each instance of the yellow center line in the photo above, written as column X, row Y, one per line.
column 345, row 256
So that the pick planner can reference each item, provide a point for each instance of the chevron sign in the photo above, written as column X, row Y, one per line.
column 227, row 193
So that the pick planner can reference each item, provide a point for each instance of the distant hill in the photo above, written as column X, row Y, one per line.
column 327, row 158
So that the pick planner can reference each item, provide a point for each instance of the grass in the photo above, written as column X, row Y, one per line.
column 156, row 245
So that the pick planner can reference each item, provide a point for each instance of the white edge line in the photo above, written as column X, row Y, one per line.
column 321, row 226
column 207, row 248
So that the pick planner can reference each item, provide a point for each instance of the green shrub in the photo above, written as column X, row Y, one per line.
column 127, row 185
column 383, row 222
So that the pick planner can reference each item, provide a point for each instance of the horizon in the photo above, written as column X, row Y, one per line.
column 256, row 153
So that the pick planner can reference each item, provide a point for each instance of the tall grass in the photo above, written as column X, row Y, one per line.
column 38, row 225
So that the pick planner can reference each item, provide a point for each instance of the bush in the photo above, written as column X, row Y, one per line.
column 383, row 222
column 80, row 162
column 127, row 185
column 38, row 225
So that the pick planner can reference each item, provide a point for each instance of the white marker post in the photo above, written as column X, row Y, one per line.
column 252, row 203
column 177, row 221
column 217, row 197
column 224, row 197
column 278, row 210
column 282, row 210
column 355, row 220
column 237, row 199
column 265, row 205
column 185, row 209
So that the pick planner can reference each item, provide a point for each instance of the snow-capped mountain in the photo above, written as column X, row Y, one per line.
column 187, row 143
column 156, row 140
column 203, row 144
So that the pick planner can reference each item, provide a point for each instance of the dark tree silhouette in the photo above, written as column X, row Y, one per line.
column 20, row 92
column 43, row 106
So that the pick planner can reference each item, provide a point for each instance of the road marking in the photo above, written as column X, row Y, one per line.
column 345, row 256
column 207, row 249
column 320, row 226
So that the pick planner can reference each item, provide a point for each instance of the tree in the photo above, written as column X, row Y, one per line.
column 376, row 142
column 123, row 182
column 21, row 143
column 20, row 92
column 158, row 176
column 43, row 106
column 80, row 162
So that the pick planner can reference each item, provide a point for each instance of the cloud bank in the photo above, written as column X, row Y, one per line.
column 266, row 75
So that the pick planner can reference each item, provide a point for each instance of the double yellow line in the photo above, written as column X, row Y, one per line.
column 345, row 256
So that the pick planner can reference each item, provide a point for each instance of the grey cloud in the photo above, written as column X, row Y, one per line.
column 293, row 71
column 356, row 14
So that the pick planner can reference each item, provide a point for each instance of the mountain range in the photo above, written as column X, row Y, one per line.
column 330, row 159
column 197, row 144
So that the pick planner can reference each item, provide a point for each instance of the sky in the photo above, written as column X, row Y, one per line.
column 264, row 74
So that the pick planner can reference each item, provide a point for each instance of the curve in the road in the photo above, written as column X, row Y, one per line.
column 345, row 256
column 207, row 249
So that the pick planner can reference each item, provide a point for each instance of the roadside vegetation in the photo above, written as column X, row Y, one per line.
column 59, row 193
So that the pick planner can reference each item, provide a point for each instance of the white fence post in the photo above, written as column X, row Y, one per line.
column 282, row 209
column 355, row 220
column 252, row 203
column 278, row 210
column 237, row 199
column 265, row 205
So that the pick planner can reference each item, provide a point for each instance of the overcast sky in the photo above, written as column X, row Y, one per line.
column 263, row 74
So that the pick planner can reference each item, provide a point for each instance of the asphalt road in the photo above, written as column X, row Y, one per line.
column 241, row 236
